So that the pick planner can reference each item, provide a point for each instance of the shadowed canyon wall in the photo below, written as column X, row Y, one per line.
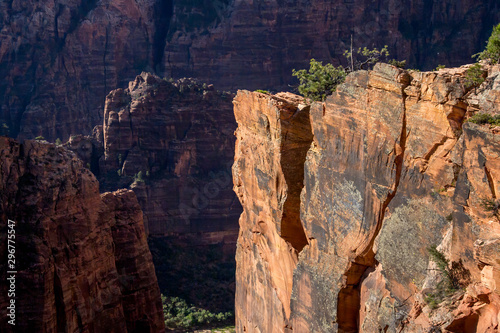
column 59, row 59
column 82, row 258
column 391, row 169
column 172, row 143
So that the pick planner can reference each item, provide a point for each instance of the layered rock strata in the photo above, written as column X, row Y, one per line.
column 179, row 137
column 255, row 44
column 392, row 170
column 173, row 144
column 59, row 59
column 82, row 258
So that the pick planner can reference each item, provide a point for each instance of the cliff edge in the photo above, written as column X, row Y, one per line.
column 343, row 200
column 82, row 258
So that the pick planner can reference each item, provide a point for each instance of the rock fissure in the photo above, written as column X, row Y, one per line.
column 392, row 173
column 491, row 183
column 348, row 303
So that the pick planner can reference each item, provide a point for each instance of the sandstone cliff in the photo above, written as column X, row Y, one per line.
column 82, row 259
column 392, row 169
column 59, row 59
column 173, row 143
column 256, row 44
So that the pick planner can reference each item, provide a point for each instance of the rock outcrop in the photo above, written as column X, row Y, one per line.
column 82, row 258
column 59, row 59
column 179, row 136
column 392, row 170
column 173, row 144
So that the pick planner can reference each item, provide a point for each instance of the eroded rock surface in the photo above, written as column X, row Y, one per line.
column 59, row 59
column 82, row 258
column 179, row 136
column 392, row 170
column 273, row 137
column 176, row 139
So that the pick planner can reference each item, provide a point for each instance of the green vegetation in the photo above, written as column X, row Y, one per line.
column 440, row 67
column 490, row 205
column 205, row 278
column 368, row 57
column 4, row 129
column 398, row 64
column 179, row 315
column 484, row 118
column 263, row 91
column 492, row 51
column 474, row 76
column 40, row 138
column 138, row 177
column 119, row 172
column 320, row 81
column 449, row 283
column 58, row 142
column 120, row 160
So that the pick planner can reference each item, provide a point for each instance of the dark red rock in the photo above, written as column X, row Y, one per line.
column 180, row 137
column 82, row 259
column 59, row 59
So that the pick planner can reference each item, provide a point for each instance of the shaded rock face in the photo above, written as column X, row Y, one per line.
column 82, row 259
column 178, row 137
column 392, row 170
column 256, row 44
column 59, row 59
column 89, row 149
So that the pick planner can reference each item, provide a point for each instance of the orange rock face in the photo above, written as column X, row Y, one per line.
column 82, row 259
column 59, row 59
column 391, row 171
column 273, row 137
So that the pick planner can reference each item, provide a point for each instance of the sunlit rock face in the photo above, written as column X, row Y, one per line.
column 391, row 170
column 60, row 59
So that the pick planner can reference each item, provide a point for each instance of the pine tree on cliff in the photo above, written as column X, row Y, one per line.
column 492, row 51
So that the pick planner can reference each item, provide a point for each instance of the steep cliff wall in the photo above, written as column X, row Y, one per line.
column 59, row 59
column 179, row 138
column 256, row 44
column 391, row 171
column 82, row 259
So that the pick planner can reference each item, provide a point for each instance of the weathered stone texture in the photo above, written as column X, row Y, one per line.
column 179, row 136
column 273, row 137
column 59, row 59
column 82, row 259
column 392, row 170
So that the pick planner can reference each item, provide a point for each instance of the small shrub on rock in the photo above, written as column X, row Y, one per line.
column 320, row 80
column 492, row 51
